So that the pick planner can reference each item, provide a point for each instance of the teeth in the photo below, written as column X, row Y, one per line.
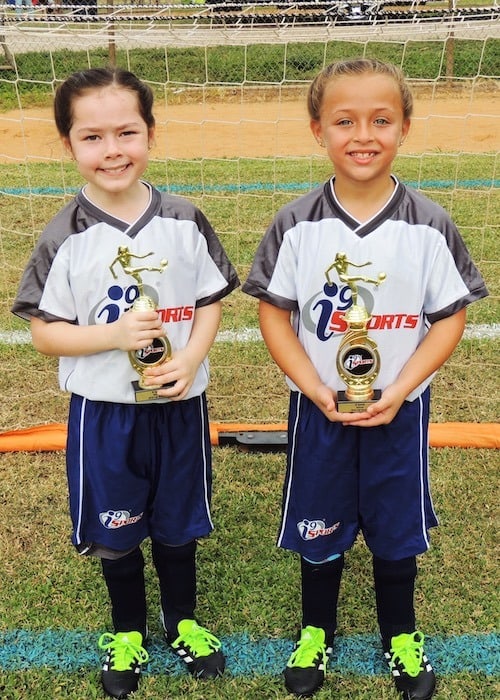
column 115, row 170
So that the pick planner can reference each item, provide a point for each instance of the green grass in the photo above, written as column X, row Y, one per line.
column 42, row 685
column 245, row 583
column 219, row 69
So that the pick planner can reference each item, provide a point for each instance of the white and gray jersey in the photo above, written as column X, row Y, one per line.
column 429, row 275
column 71, row 277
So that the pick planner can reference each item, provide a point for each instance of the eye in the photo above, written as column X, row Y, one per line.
column 381, row 121
column 344, row 122
column 91, row 137
column 129, row 132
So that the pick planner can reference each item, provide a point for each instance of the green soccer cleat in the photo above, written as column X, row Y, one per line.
column 410, row 668
column 199, row 650
column 305, row 671
column 122, row 666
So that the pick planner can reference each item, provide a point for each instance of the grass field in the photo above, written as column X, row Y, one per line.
column 246, row 587
column 225, row 70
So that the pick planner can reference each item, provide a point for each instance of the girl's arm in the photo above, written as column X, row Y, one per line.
column 288, row 353
column 183, row 365
column 431, row 354
column 132, row 331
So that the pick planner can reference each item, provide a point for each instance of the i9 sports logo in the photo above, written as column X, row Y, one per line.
column 358, row 361
column 311, row 529
column 318, row 311
column 113, row 519
column 323, row 314
column 116, row 302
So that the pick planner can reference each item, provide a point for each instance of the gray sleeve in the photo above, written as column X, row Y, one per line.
column 32, row 284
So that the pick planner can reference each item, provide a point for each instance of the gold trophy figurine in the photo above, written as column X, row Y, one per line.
column 358, row 360
column 159, row 350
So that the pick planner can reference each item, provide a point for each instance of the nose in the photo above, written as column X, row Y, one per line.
column 111, row 147
column 363, row 132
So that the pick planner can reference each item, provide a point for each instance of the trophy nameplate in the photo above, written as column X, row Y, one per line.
column 358, row 359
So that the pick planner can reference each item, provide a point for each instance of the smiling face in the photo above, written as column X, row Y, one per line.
column 109, row 140
column 361, row 125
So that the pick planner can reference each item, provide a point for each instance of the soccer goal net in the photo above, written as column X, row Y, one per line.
column 233, row 136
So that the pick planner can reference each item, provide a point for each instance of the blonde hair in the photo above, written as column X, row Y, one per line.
column 352, row 67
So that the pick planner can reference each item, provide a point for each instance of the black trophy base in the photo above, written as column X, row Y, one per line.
column 148, row 393
column 345, row 405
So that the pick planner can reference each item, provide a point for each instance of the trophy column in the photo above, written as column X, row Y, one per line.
column 160, row 350
column 358, row 360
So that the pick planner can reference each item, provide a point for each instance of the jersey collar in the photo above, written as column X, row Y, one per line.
column 364, row 228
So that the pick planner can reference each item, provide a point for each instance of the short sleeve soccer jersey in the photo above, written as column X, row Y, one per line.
column 429, row 275
column 74, row 275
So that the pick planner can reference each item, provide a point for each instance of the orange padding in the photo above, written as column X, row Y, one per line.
column 52, row 437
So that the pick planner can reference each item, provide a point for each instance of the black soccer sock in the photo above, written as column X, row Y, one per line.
column 176, row 568
column 394, row 592
column 125, row 581
column 320, row 593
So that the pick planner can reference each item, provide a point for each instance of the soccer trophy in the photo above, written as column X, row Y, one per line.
column 358, row 360
column 159, row 350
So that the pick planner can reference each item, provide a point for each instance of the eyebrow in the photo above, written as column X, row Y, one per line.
column 120, row 127
column 376, row 108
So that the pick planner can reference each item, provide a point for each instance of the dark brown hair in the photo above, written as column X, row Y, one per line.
column 82, row 81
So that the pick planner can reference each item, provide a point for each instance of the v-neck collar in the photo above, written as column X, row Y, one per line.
column 364, row 228
column 106, row 217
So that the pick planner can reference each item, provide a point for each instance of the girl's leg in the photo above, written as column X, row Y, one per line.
column 403, row 644
column 394, row 592
column 126, row 587
column 305, row 671
column 176, row 569
column 125, row 654
column 195, row 645
column 320, row 592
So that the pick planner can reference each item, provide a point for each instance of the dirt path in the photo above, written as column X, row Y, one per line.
column 263, row 129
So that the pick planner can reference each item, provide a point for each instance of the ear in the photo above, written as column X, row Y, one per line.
column 67, row 145
column 317, row 131
column 151, row 137
column 405, row 129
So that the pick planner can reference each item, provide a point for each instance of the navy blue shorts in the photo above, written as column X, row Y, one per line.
column 137, row 471
column 341, row 480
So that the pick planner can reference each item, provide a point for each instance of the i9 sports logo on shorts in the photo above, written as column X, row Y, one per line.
column 310, row 529
column 113, row 519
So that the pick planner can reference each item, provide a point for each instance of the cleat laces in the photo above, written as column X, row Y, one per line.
column 408, row 650
column 197, row 639
column 310, row 645
column 124, row 650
